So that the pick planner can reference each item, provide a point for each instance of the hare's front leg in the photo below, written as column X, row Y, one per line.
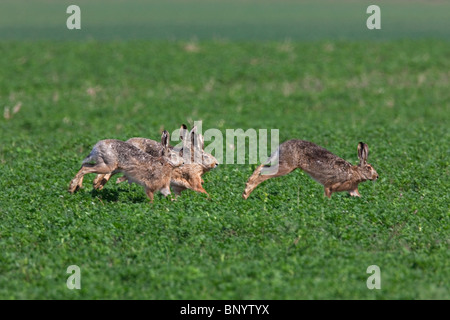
column 104, row 180
column 328, row 192
column 77, row 181
column 149, row 193
column 101, row 180
column 97, row 180
column 165, row 191
column 354, row 193
column 196, row 183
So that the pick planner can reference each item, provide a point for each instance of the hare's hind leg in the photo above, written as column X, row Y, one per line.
column 77, row 181
column 104, row 180
column 256, row 178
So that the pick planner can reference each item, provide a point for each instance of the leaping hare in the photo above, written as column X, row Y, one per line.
column 197, row 162
column 111, row 156
column 334, row 173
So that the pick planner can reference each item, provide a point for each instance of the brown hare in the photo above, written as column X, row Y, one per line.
column 112, row 156
column 188, row 176
column 334, row 173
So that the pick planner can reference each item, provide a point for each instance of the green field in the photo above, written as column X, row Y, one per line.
column 287, row 241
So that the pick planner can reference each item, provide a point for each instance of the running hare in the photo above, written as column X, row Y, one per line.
column 197, row 162
column 334, row 173
column 111, row 156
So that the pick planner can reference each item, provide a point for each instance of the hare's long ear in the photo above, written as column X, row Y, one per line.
column 197, row 142
column 192, row 135
column 165, row 138
column 200, row 141
column 363, row 153
column 193, row 132
column 183, row 132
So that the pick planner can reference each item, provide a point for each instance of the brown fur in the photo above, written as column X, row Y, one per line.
column 112, row 156
column 333, row 172
column 188, row 177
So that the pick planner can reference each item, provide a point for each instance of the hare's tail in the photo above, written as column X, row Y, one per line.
column 91, row 159
column 270, row 166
